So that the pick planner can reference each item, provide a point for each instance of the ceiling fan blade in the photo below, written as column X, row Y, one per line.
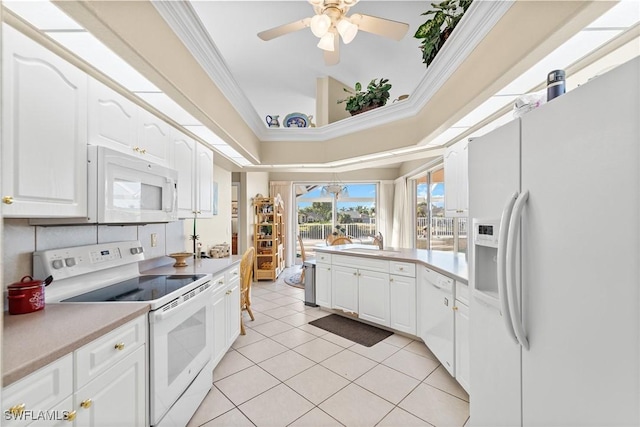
column 383, row 27
column 332, row 58
column 291, row 27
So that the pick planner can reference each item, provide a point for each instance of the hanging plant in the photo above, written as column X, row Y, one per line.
column 436, row 30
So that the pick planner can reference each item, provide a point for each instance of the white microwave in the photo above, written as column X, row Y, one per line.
column 123, row 189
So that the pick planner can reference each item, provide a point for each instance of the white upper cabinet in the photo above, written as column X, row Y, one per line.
column 204, row 167
column 44, row 131
column 194, row 163
column 184, row 161
column 112, row 118
column 456, row 179
column 154, row 138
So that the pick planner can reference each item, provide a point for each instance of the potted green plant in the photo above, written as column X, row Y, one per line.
column 375, row 96
column 436, row 30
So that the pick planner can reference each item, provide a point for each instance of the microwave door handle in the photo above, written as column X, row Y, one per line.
column 173, row 186
column 501, row 273
column 514, row 232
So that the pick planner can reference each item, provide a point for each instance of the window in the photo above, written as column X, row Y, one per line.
column 319, row 215
column 433, row 229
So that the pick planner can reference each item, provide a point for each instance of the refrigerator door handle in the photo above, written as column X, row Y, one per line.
column 502, row 255
column 512, row 239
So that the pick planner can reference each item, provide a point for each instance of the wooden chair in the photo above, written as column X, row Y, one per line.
column 303, row 257
column 246, row 278
column 340, row 241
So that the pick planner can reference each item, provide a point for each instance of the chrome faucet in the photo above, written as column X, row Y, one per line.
column 379, row 240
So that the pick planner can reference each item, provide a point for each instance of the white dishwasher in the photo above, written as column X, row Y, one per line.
column 435, row 315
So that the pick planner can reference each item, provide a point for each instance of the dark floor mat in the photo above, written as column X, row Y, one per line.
column 350, row 329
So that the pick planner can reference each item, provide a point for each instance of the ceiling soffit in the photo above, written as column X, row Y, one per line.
column 479, row 20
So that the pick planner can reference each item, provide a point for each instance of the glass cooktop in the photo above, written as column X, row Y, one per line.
column 141, row 288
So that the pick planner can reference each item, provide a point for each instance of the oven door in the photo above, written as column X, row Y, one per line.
column 181, row 344
column 132, row 190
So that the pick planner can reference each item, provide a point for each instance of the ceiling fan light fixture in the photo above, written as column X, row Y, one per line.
column 326, row 42
column 320, row 24
column 347, row 30
column 316, row 2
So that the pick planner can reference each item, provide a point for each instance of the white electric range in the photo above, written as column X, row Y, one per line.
column 180, row 337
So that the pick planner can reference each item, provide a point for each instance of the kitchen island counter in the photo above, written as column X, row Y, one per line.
column 447, row 263
column 32, row 341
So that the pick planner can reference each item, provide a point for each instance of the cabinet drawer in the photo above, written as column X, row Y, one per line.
column 99, row 355
column 323, row 258
column 361, row 263
column 402, row 268
column 40, row 391
column 218, row 282
column 462, row 293
column 232, row 274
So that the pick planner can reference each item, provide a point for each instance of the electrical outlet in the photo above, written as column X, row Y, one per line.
column 154, row 240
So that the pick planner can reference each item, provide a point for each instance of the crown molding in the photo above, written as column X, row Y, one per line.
column 473, row 27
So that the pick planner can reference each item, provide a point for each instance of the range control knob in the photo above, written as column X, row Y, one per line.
column 137, row 250
column 70, row 262
column 57, row 264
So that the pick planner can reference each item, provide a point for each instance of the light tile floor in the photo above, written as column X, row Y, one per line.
column 285, row 372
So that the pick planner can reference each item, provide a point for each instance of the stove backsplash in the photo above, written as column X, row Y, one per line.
column 20, row 240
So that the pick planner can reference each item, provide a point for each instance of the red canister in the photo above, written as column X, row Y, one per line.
column 26, row 296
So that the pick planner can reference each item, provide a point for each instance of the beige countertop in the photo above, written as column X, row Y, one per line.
column 31, row 341
column 447, row 263
column 198, row 266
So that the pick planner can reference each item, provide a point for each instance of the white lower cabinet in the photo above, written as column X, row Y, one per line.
column 323, row 284
column 373, row 297
column 117, row 397
column 110, row 387
column 402, row 300
column 226, row 312
column 344, row 288
column 462, row 344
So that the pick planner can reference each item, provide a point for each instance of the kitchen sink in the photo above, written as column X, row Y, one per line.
column 372, row 251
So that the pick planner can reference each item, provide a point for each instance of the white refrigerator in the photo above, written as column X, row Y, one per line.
column 554, row 199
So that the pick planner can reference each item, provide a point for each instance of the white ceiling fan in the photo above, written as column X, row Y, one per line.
column 330, row 23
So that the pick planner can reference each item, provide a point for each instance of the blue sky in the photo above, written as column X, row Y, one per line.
column 355, row 190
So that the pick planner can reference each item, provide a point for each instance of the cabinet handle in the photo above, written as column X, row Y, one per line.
column 401, row 268
column 220, row 282
column 143, row 151
column 119, row 346
column 455, row 308
column 136, row 149
column 228, row 292
column 7, row 200
column 86, row 404
column 355, row 274
column 71, row 416
column 16, row 410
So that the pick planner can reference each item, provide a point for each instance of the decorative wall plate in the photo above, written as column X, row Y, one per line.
column 296, row 120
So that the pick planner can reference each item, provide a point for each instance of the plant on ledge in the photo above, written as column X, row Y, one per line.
column 376, row 96
column 437, row 29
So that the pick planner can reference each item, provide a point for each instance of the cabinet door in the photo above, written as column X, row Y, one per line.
column 323, row 285
column 344, row 288
column 154, row 138
column 373, row 297
column 40, row 390
column 462, row 344
column 204, row 166
column 184, row 157
column 112, row 118
column 44, row 131
column 456, row 195
column 219, row 325
column 117, row 397
column 233, row 312
column 402, row 291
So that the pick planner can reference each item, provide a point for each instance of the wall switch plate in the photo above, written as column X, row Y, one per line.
column 154, row 240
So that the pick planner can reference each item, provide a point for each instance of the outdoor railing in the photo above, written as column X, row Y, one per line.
column 439, row 226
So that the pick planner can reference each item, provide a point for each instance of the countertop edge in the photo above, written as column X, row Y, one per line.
column 340, row 250
column 32, row 365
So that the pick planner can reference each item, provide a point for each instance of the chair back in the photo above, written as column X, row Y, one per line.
column 340, row 241
column 246, row 269
column 303, row 256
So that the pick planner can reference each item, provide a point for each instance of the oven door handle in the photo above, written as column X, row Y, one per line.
column 162, row 314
